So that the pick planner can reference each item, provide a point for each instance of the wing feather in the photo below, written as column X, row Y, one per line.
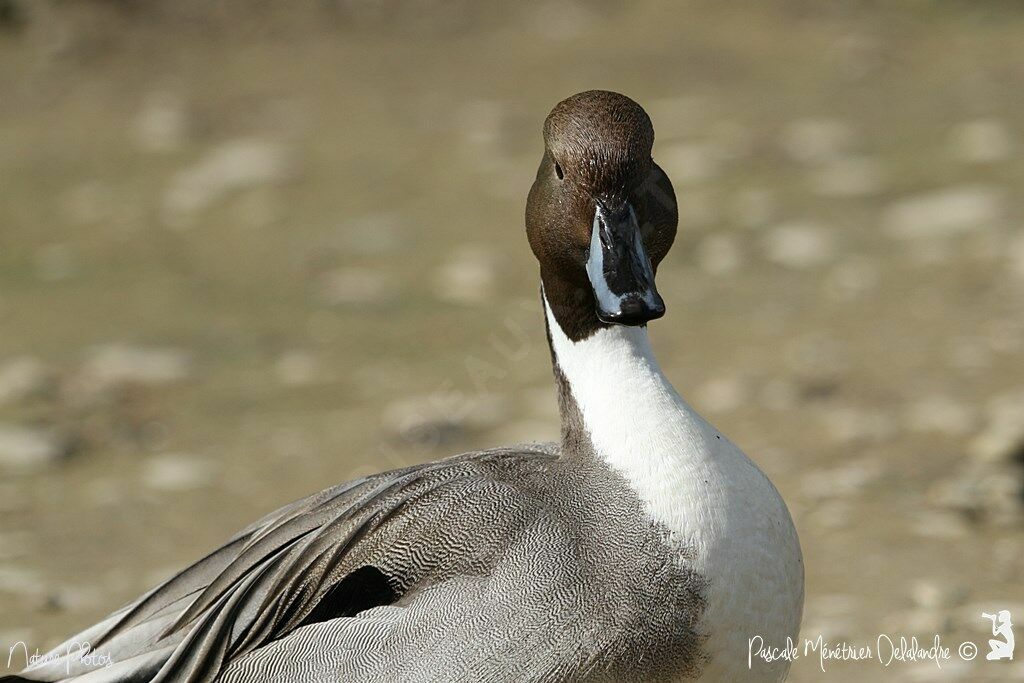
column 265, row 581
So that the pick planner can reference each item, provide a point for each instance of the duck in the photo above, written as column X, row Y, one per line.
column 643, row 546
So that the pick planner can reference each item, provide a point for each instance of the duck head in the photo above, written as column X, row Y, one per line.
column 601, row 214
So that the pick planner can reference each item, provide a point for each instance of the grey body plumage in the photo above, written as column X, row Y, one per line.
column 518, row 564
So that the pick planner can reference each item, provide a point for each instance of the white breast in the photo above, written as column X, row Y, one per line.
column 697, row 484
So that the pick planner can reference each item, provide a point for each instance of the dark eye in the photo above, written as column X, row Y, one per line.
column 558, row 171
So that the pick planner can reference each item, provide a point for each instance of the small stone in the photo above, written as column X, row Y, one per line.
column 981, row 141
column 830, row 616
column 779, row 394
column 700, row 208
column 15, row 544
column 821, row 388
column 989, row 493
column 817, row 356
column 540, row 403
column 848, row 177
column 987, row 247
column 285, row 117
column 843, row 481
column 955, row 493
column 799, row 246
column 731, row 139
column 1004, row 429
column 325, row 327
column 996, row 442
column 835, row 603
column 1005, row 335
column 289, row 443
column 719, row 254
column 176, row 473
column 13, row 497
column 942, row 213
column 487, row 410
column 103, row 492
column 117, row 364
column 88, row 203
column 917, row 621
column 691, row 162
column 1008, row 556
column 679, row 115
column 482, row 122
column 852, row 278
column 258, row 208
column 418, row 429
column 941, row 524
column 69, row 599
column 356, row 287
column 940, row 415
column 814, row 141
column 722, row 394
column 932, row 253
column 848, row 425
column 858, row 55
column 931, row 594
column 467, row 277
column 527, row 431
column 753, row 207
column 22, row 378
column 297, row 368
column 833, row 514
column 444, row 416
column 20, row 581
column 371, row 235
column 28, row 448
column 56, row 263
column 969, row 354
column 563, row 21
column 1015, row 256
column 234, row 165
column 162, row 123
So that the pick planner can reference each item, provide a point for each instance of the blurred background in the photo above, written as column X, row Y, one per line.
column 252, row 249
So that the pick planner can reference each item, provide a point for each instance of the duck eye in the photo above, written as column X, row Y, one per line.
column 558, row 171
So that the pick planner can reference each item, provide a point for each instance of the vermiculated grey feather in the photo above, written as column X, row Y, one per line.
column 511, row 555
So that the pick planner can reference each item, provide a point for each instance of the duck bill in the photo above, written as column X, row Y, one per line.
column 619, row 269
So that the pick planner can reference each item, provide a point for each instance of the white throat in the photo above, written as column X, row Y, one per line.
column 695, row 483
column 637, row 422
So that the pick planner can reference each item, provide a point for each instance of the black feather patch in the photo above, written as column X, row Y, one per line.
column 361, row 590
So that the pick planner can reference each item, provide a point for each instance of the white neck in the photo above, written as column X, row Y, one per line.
column 695, row 483
column 636, row 421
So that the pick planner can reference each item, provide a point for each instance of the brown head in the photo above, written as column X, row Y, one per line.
column 601, row 214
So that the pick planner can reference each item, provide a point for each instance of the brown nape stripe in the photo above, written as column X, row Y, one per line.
column 575, row 438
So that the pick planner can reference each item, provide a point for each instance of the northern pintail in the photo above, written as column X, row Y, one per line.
column 643, row 547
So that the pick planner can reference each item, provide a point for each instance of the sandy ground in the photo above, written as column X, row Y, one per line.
column 245, row 256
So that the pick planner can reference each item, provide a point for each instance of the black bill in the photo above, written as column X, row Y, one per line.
column 620, row 271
